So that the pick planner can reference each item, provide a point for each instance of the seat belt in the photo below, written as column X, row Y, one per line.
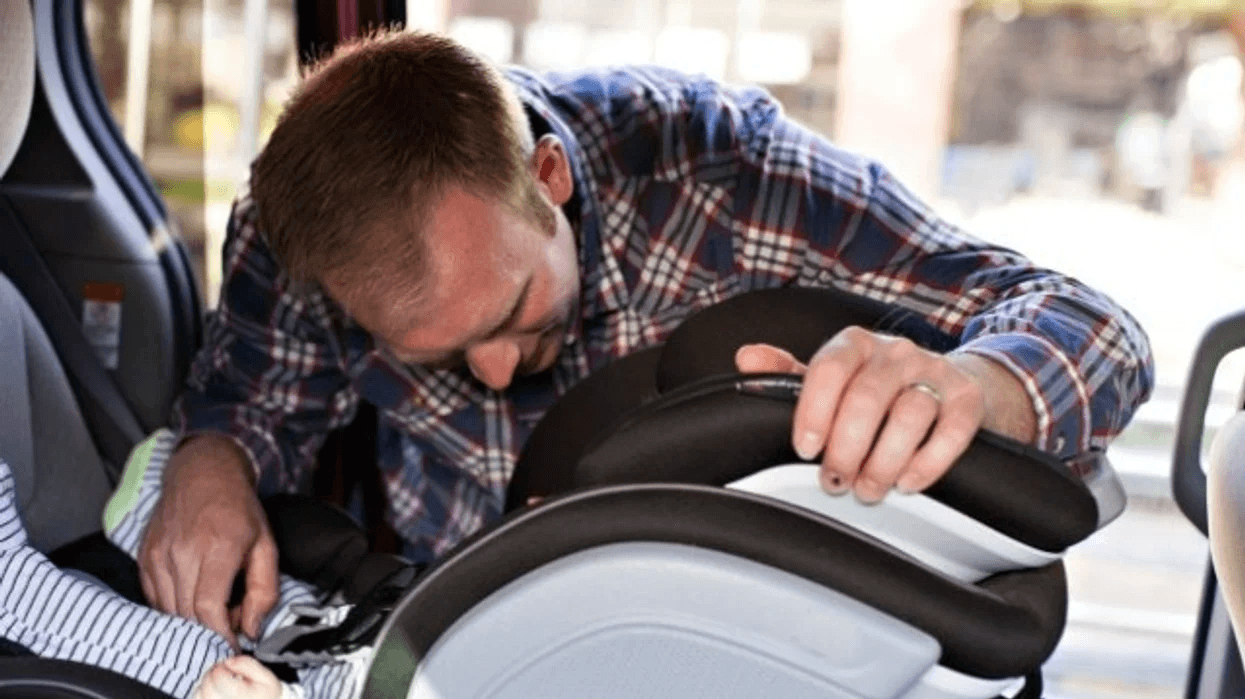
column 112, row 421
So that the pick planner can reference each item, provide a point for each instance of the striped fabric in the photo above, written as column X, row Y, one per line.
column 686, row 193
column 58, row 615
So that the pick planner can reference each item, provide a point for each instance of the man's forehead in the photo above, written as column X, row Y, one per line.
column 446, row 316
column 476, row 261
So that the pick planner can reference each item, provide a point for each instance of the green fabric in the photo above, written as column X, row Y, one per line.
column 126, row 495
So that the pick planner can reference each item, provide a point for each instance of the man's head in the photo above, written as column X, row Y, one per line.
column 403, row 178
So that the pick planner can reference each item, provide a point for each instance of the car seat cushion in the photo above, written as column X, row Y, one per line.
column 43, row 436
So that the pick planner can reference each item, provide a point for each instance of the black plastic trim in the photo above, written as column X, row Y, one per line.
column 82, row 82
column 798, row 319
column 1188, row 474
column 1004, row 627
column 186, row 306
column 550, row 457
column 83, row 92
column 43, row 678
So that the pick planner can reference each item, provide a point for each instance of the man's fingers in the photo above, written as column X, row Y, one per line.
column 164, row 591
column 150, row 591
column 951, row 436
column 829, row 373
column 762, row 358
column 910, row 418
column 184, row 566
column 865, row 404
column 211, row 591
column 149, row 588
column 262, row 583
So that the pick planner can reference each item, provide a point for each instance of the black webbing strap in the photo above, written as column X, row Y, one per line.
column 111, row 419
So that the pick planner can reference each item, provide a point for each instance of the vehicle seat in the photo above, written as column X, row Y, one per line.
column 1225, row 499
column 61, row 488
column 61, row 482
column 42, row 425
column 1212, row 495
column 682, row 549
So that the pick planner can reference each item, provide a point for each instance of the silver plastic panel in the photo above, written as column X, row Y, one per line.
column 1108, row 491
column 667, row 620
column 941, row 683
column 929, row 531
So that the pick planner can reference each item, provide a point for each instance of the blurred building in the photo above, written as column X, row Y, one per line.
column 975, row 100
column 1046, row 94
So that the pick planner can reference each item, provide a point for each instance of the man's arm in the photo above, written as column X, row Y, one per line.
column 1041, row 356
column 263, row 392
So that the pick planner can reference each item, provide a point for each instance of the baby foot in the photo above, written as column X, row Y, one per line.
column 239, row 677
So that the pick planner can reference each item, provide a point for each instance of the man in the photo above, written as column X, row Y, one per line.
column 459, row 248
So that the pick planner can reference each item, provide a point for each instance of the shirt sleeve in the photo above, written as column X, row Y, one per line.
column 270, row 373
column 813, row 214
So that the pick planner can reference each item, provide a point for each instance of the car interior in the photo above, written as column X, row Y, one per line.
column 676, row 546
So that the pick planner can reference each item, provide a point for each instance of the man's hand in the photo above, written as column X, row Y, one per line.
column 207, row 526
column 884, row 413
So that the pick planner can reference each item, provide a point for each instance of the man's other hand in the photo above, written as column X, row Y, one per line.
column 208, row 526
column 883, row 412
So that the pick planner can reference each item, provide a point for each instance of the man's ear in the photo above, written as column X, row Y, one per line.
column 552, row 168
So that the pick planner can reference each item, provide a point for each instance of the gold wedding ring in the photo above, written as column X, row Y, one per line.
column 927, row 389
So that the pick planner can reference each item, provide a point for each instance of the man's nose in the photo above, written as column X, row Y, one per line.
column 494, row 362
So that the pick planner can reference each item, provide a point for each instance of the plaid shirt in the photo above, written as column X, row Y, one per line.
column 687, row 192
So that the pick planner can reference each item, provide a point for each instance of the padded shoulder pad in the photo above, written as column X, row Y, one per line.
column 797, row 319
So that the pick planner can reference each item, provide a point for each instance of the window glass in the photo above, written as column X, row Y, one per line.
column 184, row 118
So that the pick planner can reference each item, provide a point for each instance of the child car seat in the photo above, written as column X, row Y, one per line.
column 681, row 549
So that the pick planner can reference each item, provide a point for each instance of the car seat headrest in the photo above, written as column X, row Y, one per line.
column 17, row 76
column 578, row 418
column 717, row 426
column 797, row 319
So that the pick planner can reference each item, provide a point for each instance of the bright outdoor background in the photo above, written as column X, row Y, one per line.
column 1102, row 138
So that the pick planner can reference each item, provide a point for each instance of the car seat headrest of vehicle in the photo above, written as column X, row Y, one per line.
column 17, row 76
